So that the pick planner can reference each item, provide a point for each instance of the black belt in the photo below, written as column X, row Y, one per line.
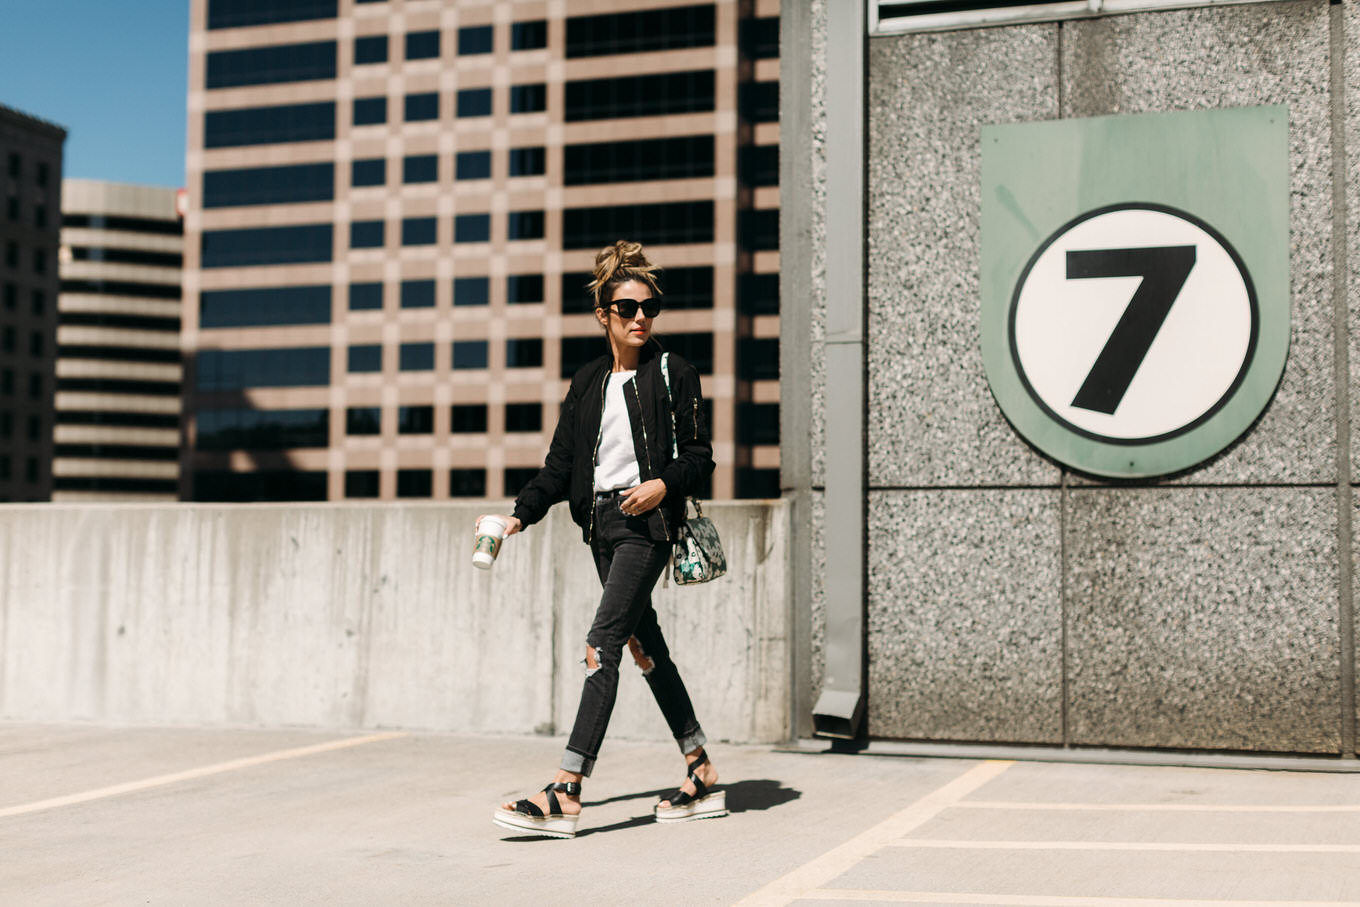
column 606, row 495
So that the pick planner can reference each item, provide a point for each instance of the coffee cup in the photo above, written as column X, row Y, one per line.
column 490, row 533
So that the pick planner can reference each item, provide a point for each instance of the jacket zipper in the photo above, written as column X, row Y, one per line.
column 599, row 433
column 647, row 451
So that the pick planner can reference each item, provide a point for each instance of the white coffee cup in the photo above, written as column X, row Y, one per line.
column 490, row 533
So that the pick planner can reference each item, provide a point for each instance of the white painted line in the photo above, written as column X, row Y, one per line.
column 1156, row 807
column 1026, row 900
column 1161, row 846
column 216, row 769
column 819, row 871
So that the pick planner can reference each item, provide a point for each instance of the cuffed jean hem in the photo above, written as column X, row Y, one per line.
column 575, row 762
column 690, row 742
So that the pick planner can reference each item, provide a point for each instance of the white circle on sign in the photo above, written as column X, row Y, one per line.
column 1133, row 323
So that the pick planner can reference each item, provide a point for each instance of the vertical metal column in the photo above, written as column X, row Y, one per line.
column 839, row 711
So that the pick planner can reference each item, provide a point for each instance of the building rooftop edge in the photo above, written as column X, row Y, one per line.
column 27, row 119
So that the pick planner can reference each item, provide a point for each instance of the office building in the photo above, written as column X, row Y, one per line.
column 118, row 368
column 30, row 186
column 393, row 207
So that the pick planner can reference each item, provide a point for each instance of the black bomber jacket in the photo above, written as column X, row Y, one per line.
column 568, row 472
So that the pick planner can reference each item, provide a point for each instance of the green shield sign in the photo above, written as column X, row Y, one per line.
column 1135, row 283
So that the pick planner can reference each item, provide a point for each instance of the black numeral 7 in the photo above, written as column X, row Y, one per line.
column 1164, row 270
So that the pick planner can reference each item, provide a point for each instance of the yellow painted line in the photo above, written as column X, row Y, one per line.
column 796, row 884
column 1039, row 900
column 1156, row 807
column 190, row 774
column 1160, row 846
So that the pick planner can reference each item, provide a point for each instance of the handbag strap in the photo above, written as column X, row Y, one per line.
column 670, row 405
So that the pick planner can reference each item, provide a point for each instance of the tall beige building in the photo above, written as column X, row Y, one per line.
column 393, row 205
column 30, row 192
column 118, row 353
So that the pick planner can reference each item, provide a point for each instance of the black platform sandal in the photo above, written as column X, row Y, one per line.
column 526, row 817
column 702, row 804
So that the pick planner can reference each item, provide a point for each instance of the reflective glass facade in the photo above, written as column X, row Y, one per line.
column 265, row 246
column 269, row 185
column 311, row 122
column 264, row 306
column 271, row 64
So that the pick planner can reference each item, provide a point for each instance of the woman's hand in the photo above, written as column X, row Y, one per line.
column 512, row 525
column 644, row 497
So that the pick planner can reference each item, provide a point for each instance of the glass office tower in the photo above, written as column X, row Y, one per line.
column 393, row 207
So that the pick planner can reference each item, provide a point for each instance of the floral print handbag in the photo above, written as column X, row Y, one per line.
column 698, row 556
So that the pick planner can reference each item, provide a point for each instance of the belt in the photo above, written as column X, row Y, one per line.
column 606, row 495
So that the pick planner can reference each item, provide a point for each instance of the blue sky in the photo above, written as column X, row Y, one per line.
column 112, row 72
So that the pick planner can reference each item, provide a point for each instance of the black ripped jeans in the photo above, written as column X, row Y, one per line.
column 630, row 563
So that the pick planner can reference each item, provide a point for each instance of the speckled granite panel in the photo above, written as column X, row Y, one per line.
column 817, row 265
column 1237, row 56
column 965, row 639
column 932, row 417
column 818, row 597
column 1203, row 618
column 1351, row 70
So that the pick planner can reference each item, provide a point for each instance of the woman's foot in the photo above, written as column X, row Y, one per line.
column 695, row 799
column 553, row 811
column 705, row 771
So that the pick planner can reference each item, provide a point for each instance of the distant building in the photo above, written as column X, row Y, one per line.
column 30, row 190
column 393, row 207
column 118, row 369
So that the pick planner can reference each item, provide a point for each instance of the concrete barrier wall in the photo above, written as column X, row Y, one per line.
column 362, row 616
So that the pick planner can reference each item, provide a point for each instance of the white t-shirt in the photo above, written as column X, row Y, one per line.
column 616, row 461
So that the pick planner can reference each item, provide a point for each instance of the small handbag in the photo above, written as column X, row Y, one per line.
column 697, row 556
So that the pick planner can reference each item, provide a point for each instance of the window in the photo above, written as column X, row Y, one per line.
column 264, row 485
column 368, row 111
column 524, row 225
column 467, row 418
column 758, row 230
column 474, row 102
column 758, row 294
column 275, row 63
column 757, row 423
column 14, row 166
column 472, row 165
column 422, row 107
column 529, row 35
column 39, row 261
column 269, row 185
column 636, row 32
column 467, row 483
column 524, row 352
column 40, row 215
column 473, row 228
column 523, row 288
column 682, row 157
column 12, row 208
column 255, row 429
column 417, row 294
column 312, row 122
column 415, row 420
column 264, row 306
column 528, row 98
column 414, row 483
column 528, row 161
column 35, row 344
column 6, row 381
column 417, row 357
column 697, row 348
column 126, row 256
column 363, row 420
column 475, row 39
column 418, row 231
column 523, row 417
column 369, row 171
column 42, row 173
column 758, row 165
column 364, row 296
column 759, row 38
column 758, row 358
column 640, row 96
column 655, row 224
column 469, row 354
column 11, row 296
column 122, row 288
column 516, row 477
column 222, row 370
column 370, row 49
column 39, row 302
column 422, row 45
column 7, row 339
column 757, row 483
column 265, row 246
column 35, row 432
column 361, row 483
column 365, row 358
column 366, row 234
column 240, row 13
column 420, row 168
column 471, row 290
column 758, row 102
column 12, row 254
column 117, row 222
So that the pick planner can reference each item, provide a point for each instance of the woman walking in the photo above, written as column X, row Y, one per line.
column 611, row 458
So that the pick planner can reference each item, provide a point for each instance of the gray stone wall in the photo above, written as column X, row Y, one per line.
column 1013, row 601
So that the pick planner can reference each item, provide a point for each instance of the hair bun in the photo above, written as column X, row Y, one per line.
column 619, row 262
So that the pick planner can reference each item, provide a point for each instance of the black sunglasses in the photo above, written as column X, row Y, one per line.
column 628, row 307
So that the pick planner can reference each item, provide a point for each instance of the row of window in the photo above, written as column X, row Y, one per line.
column 520, row 352
column 127, row 256
column 35, row 426
column 13, row 211
column 13, row 256
column 663, row 223
column 9, row 341
column 7, row 384
column 10, row 297
column 31, row 470
column 660, row 94
column 128, row 224
column 42, row 171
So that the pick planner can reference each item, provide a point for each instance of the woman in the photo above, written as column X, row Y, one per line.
column 611, row 459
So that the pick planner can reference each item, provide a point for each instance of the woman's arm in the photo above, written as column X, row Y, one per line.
column 553, row 481
column 694, row 458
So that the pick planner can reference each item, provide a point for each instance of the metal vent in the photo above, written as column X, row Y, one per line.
column 893, row 17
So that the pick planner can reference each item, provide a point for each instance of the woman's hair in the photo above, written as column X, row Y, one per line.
column 617, row 264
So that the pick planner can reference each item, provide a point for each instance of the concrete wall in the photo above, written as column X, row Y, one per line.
column 362, row 616
column 1009, row 599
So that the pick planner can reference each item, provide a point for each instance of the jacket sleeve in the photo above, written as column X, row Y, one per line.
column 553, row 481
column 685, row 474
